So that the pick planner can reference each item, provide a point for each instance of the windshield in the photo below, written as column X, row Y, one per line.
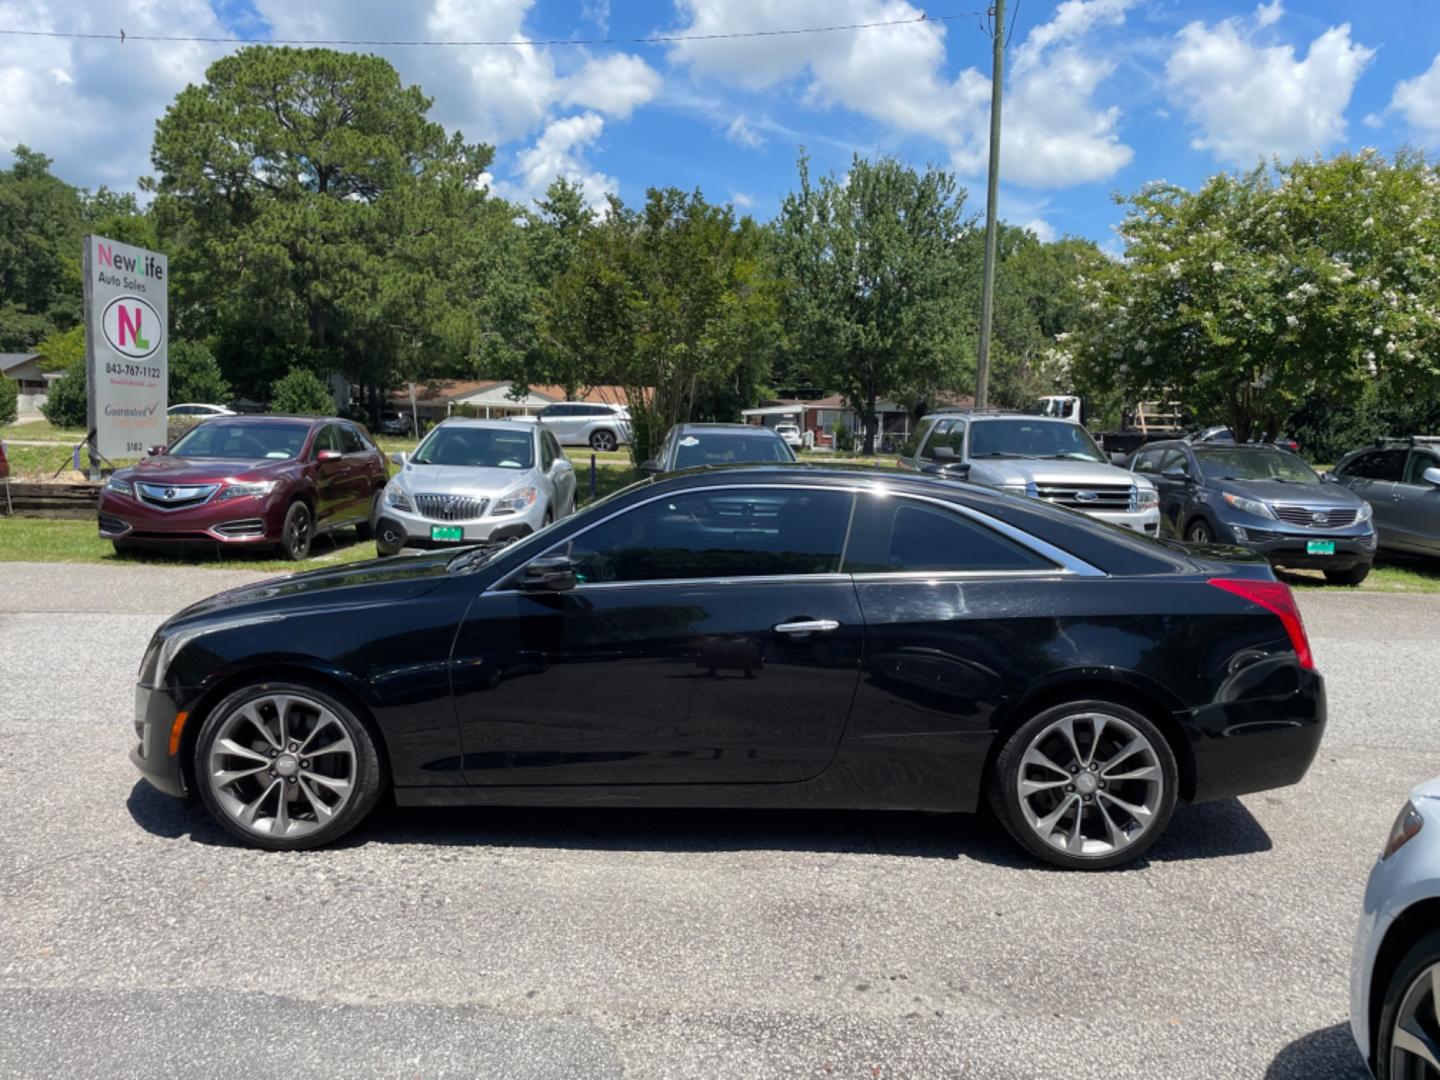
column 482, row 448
column 1032, row 439
column 730, row 450
column 246, row 441
column 1240, row 464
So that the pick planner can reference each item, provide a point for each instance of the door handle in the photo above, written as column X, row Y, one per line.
column 807, row 626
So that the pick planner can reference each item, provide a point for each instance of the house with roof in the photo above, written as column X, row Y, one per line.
column 493, row 398
column 820, row 416
column 26, row 369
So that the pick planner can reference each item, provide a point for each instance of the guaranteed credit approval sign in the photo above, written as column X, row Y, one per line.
column 126, row 331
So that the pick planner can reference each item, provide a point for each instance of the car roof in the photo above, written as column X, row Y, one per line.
column 978, row 415
column 502, row 424
column 725, row 429
column 270, row 418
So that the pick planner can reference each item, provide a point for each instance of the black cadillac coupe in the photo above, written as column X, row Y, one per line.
column 771, row 636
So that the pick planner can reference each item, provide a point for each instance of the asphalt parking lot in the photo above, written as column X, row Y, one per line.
column 137, row 940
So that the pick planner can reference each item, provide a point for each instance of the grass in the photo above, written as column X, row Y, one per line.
column 1391, row 574
column 41, row 430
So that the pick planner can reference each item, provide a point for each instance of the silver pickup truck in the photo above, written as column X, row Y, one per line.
column 1051, row 459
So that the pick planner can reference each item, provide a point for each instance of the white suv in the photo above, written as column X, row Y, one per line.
column 579, row 423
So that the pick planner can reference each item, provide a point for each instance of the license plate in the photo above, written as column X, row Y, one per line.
column 1319, row 547
column 450, row 534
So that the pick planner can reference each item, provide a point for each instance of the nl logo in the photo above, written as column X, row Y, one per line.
column 132, row 327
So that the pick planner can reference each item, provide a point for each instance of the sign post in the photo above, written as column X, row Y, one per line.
column 126, row 349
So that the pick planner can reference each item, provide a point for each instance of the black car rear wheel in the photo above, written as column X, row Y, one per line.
column 1086, row 785
column 1354, row 576
column 286, row 766
column 296, row 535
column 1408, row 1040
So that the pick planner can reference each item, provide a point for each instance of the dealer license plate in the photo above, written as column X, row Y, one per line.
column 453, row 534
column 1319, row 547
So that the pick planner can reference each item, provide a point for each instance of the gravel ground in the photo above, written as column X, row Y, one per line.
column 136, row 940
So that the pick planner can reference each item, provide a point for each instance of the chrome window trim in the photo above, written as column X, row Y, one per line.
column 1065, row 564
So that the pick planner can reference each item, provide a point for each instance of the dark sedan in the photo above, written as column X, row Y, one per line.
column 247, row 481
column 1262, row 498
column 773, row 637
column 688, row 446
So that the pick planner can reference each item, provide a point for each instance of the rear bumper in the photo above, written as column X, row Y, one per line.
column 156, row 713
column 1265, row 739
column 237, row 522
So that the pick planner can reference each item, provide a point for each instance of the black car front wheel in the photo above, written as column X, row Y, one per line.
column 297, row 533
column 1354, row 576
column 1408, row 1040
column 285, row 766
column 1086, row 785
column 1199, row 532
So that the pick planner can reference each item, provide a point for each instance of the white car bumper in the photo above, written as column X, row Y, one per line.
column 1145, row 522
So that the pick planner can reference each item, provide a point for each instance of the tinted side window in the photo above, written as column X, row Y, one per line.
column 1170, row 460
column 717, row 533
column 917, row 439
column 325, row 440
column 937, row 437
column 1147, row 461
column 901, row 535
column 350, row 442
column 1378, row 465
column 547, row 455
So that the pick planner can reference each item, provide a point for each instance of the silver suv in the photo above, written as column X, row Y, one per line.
column 1051, row 459
column 583, row 423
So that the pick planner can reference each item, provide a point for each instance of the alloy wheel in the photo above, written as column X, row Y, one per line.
column 1090, row 785
column 603, row 440
column 1415, row 1040
column 297, row 532
column 1199, row 533
column 282, row 765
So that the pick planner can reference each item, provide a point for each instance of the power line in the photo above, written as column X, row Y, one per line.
column 658, row 39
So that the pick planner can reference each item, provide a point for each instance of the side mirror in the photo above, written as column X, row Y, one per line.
column 156, row 451
column 1120, row 459
column 399, row 458
column 328, row 455
column 1431, row 476
column 549, row 573
column 1327, row 478
column 1175, row 472
column 651, row 467
column 943, row 453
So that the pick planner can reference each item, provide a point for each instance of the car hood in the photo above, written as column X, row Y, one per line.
column 169, row 469
column 1273, row 491
column 1026, row 470
column 332, row 586
column 461, row 479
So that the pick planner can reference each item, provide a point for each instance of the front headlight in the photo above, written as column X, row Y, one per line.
column 1146, row 498
column 516, row 502
column 395, row 496
column 1250, row 506
column 120, row 487
column 1407, row 824
column 248, row 490
column 1366, row 513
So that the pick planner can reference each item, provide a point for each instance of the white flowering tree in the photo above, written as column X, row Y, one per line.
column 1256, row 292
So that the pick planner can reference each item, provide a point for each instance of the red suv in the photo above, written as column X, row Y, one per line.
column 247, row 481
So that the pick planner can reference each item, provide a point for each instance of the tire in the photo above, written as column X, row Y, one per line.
column 603, row 440
column 248, row 723
column 364, row 530
column 1044, row 822
column 389, row 539
column 1198, row 532
column 1354, row 576
column 1411, row 990
column 297, row 533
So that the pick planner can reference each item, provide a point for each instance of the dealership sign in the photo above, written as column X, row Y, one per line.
column 126, row 346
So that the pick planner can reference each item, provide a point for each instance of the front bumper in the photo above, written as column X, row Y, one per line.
column 1287, row 547
column 238, row 522
column 158, row 723
column 395, row 529
column 1144, row 522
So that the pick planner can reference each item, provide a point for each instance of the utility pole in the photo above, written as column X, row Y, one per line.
column 987, row 285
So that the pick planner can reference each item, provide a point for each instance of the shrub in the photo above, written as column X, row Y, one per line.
column 195, row 375
column 302, row 394
column 9, row 400
column 68, row 406
column 844, row 439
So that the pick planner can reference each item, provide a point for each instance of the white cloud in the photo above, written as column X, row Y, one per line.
column 1055, row 134
column 742, row 200
column 742, row 133
column 1373, row 120
column 1249, row 101
column 614, row 84
column 560, row 151
column 1418, row 101
column 1042, row 229
column 1269, row 14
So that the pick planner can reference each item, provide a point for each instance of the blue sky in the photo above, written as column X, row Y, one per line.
column 1102, row 95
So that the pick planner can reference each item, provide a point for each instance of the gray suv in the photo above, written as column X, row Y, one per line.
column 1400, row 479
column 1051, row 459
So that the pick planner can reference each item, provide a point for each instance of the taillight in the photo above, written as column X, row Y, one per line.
column 1274, row 596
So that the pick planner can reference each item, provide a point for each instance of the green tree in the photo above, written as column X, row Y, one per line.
column 666, row 300
column 67, row 402
column 195, row 375
column 40, row 231
column 874, row 266
column 319, row 210
column 301, row 393
column 9, row 400
column 1259, row 293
